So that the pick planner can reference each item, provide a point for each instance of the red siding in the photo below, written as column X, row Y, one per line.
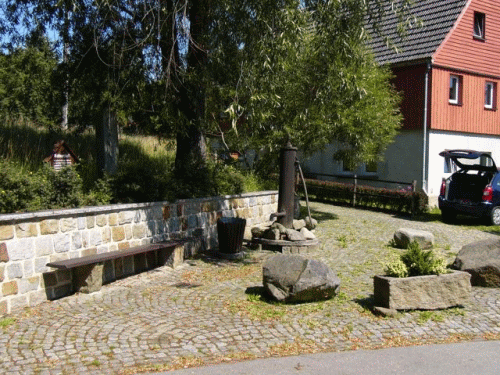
column 410, row 83
column 470, row 116
column 476, row 61
column 461, row 51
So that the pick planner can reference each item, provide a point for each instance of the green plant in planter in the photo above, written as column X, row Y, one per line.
column 416, row 262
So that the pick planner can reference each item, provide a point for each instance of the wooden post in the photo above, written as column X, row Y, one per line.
column 355, row 188
column 414, row 196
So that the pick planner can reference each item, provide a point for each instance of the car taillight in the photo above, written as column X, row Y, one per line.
column 487, row 194
column 442, row 192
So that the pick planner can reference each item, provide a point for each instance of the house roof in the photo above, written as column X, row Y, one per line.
column 420, row 43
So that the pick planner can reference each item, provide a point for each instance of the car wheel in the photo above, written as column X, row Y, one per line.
column 495, row 215
column 448, row 215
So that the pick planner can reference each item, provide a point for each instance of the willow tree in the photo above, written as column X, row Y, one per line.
column 271, row 68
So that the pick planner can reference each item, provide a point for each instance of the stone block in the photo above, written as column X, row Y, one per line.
column 44, row 246
column 85, row 239
column 62, row 291
column 90, row 222
column 101, row 220
column 3, row 308
column 167, row 212
column 192, row 221
column 2, row 273
column 126, row 217
column 9, row 288
column 81, row 223
column 113, row 219
column 87, row 252
column 106, row 235
column 95, row 237
column 49, row 279
column 37, row 297
column 15, row 270
column 4, row 255
column 102, row 249
column 118, row 268
column 21, row 249
column 180, row 209
column 63, row 275
column 29, row 284
column 118, row 234
column 25, row 230
column 28, row 267
column 76, row 241
column 176, row 257
column 62, row 242
column 128, row 232
column 88, row 279
column 17, row 303
column 58, row 257
column 123, row 245
column 404, row 236
column 40, row 264
column 140, row 264
column 6, row 232
column 428, row 292
column 139, row 231
column 68, row 224
column 109, row 272
column 50, row 226
column 151, row 260
column 128, row 266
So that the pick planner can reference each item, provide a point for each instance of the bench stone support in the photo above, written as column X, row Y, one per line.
column 172, row 257
column 88, row 279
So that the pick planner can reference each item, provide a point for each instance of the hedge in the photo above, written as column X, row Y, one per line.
column 394, row 200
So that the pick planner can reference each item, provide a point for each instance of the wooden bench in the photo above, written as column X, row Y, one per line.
column 88, row 271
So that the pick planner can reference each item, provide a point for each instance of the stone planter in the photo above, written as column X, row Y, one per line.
column 422, row 292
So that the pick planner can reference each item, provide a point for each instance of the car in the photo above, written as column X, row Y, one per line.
column 474, row 189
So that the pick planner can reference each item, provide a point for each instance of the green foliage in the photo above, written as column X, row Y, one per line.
column 396, row 269
column 26, row 82
column 24, row 190
column 416, row 262
column 400, row 200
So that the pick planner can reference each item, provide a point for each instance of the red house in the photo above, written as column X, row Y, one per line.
column 448, row 72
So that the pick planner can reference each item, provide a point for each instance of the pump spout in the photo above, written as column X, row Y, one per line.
column 276, row 215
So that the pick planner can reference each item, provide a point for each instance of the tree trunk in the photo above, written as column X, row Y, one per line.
column 107, row 143
column 191, row 146
column 65, row 104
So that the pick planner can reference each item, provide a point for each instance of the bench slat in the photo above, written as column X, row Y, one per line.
column 98, row 258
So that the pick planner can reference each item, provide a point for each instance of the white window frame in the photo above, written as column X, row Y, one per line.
column 454, row 87
column 479, row 25
column 489, row 95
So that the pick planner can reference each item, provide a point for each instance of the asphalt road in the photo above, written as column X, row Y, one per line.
column 457, row 359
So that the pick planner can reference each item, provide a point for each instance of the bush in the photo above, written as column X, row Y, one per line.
column 367, row 196
column 23, row 190
column 416, row 262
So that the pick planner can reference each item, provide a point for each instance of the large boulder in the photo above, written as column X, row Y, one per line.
column 482, row 260
column 404, row 236
column 292, row 278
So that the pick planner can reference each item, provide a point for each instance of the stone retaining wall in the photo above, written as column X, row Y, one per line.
column 29, row 241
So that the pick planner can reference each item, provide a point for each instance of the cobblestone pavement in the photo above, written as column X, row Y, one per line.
column 210, row 310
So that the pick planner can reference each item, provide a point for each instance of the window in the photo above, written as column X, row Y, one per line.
column 455, row 95
column 479, row 24
column 490, row 90
column 371, row 167
column 346, row 168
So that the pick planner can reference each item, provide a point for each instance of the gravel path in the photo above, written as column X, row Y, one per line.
column 210, row 310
